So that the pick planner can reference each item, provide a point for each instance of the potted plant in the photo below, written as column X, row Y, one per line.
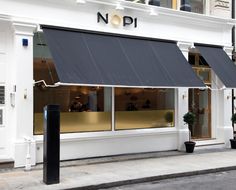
column 233, row 141
column 189, row 118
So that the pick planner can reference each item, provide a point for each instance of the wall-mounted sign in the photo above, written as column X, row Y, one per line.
column 117, row 20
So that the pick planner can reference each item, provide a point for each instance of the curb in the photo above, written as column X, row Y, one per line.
column 152, row 178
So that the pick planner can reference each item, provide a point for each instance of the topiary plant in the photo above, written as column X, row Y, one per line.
column 189, row 118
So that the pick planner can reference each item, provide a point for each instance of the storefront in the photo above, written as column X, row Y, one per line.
column 120, row 73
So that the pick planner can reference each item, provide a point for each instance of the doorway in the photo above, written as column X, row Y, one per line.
column 200, row 99
column 200, row 105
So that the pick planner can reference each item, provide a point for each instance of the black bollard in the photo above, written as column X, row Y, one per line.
column 51, row 146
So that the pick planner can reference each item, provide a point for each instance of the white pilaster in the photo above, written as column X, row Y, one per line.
column 227, row 107
column 22, row 90
column 182, row 103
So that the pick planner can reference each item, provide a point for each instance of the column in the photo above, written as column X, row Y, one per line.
column 22, row 92
column 227, row 108
column 182, row 104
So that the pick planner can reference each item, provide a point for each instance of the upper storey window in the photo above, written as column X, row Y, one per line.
column 197, row 6
column 163, row 3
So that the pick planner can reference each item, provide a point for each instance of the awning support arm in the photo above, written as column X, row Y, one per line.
column 46, row 85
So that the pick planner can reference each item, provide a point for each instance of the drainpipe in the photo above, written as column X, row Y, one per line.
column 233, row 44
column 28, row 154
column 185, row 6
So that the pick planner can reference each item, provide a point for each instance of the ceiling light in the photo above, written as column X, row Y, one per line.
column 81, row 1
column 119, row 7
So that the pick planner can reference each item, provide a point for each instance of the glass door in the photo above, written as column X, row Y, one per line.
column 200, row 105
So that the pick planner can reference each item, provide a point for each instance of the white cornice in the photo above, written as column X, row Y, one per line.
column 188, row 17
column 22, row 28
column 4, row 17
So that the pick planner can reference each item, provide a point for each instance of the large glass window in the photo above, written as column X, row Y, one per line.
column 83, row 109
column 143, row 108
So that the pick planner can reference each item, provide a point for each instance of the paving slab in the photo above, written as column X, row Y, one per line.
column 104, row 174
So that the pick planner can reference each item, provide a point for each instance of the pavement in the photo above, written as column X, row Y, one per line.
column 112, row 171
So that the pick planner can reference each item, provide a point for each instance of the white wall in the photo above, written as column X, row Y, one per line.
column 102, row 144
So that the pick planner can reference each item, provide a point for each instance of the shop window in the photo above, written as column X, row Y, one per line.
column 137, row 108
column 83, row 108
column 2, row 95
column 197, row 6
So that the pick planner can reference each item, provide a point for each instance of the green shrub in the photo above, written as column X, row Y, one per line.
column 189, row 118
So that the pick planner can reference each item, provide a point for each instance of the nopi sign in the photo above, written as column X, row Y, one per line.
column 117, row 20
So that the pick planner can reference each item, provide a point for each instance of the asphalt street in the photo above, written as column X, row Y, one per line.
column 213, row 181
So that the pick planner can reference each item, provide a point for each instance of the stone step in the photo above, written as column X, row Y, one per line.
column 209, row 144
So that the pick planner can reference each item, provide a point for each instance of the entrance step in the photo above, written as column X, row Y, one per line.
column 6, row 163
column 209, row 144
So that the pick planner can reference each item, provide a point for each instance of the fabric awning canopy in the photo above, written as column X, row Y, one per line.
column 89, row 58
column 220, row 63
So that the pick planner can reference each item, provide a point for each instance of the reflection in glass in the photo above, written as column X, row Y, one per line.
column 143, row 108
column 82, row 108
column 199, row 104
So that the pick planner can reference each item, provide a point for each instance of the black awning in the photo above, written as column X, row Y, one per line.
column 87, row 58
column 220, row 63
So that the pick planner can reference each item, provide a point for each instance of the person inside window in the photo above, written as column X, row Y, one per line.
column 76, row 105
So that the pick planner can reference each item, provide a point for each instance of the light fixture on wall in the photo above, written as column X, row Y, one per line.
column 81, row 1
column 229, row 95
column 153, row 12
column 119, row 6
column 184, row 95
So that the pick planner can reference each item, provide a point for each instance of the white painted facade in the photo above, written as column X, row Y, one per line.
column 20, row 19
